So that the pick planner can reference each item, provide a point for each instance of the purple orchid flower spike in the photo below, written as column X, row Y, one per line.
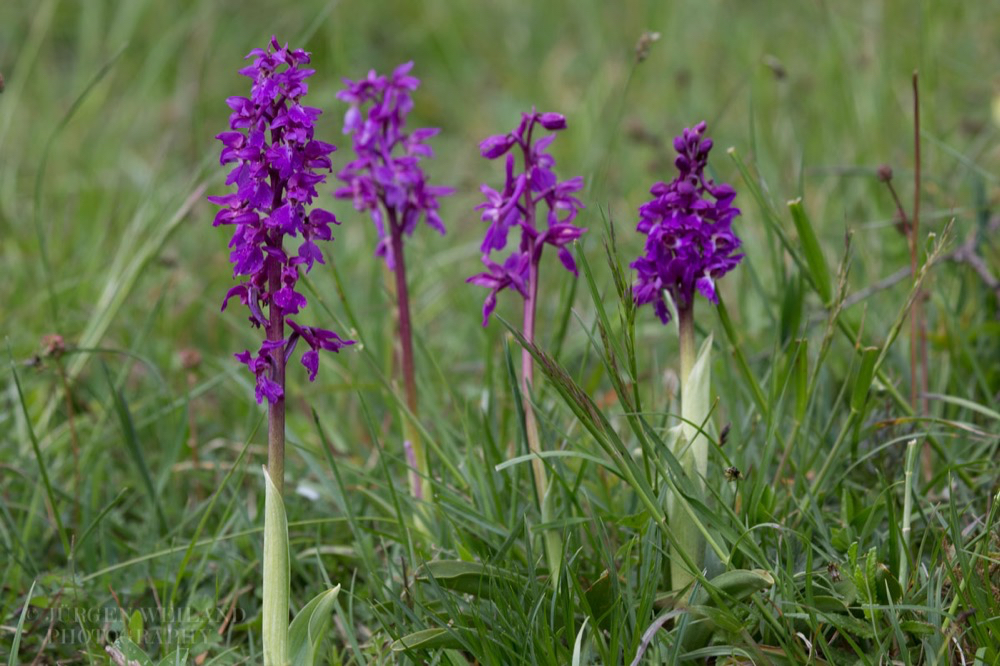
column 517, row 206
column 690, row 243
column 278, row 164
column 386, row 180
column 689, row 246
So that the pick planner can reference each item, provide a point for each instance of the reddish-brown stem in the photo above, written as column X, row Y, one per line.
column 403, row 303
column 918, row 345
column 416, row 455
column 912, row 238
column 916, row 220
column 903, row 219
column 276, row 331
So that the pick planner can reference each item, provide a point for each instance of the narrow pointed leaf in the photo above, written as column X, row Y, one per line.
column 813, row 254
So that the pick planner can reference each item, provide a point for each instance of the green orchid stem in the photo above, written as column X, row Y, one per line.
column 685, row 325
column 553, row 541
column 694, row 460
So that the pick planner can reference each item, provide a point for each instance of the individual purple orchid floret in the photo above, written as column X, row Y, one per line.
column 278, row 166
column 386, row 178
column 688, row 223
column 516, row 206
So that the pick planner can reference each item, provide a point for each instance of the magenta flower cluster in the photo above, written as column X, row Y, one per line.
column 386, row 174
column 688, row 223
column 516, row 206
column 278, row 165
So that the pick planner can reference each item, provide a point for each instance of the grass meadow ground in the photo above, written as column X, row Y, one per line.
column 130, row 488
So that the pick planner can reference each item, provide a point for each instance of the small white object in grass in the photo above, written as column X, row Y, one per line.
column 307, row 491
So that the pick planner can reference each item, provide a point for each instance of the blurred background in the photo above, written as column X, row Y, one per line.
column 110, row 108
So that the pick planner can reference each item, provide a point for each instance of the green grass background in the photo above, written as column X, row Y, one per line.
column 107, row 151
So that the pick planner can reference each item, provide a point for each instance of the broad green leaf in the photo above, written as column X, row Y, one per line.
column 918, row 628
column 828, row 604
column 310, row 626
column 737, row 584
column 692, row 452
column 276, row 578
column 135, row 627
column 468, row 577
column 708, row 605
column 696, row 405
column 124, row 651
column 429, row 639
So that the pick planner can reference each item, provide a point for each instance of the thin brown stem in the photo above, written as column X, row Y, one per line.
column 419, row 481
column 403, row 304
column 276, row 409
column 918, row 331
column 276, row 331
column 903, row 220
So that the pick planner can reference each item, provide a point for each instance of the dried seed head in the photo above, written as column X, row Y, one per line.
column 645, row 42
column 885, row 173
column 776, row 66
column 190, row 358
column 724, row 435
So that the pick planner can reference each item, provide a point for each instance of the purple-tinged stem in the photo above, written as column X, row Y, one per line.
column 403, row 302
column 419, row 482
column 276, row 331
column 553, row 542
column 918, row 330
